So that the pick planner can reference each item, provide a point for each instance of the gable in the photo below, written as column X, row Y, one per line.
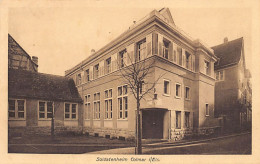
column 165, row 12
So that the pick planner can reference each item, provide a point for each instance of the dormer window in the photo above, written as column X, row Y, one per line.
column 166, row 45
column 206, row 67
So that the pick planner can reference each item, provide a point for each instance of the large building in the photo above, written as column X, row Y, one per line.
column 233, row 91
column 184, row 101
column 34, row 99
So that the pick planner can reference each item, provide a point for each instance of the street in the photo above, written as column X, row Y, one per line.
column 234, row 144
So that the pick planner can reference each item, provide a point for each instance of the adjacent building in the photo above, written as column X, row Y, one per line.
column 182, row 102
column 34, row 99
column 233, row 90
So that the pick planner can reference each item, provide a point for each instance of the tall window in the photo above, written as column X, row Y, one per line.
column 96, row 71
column 188, row 61
column 122, row 102
column 166, row 87
column 220, row 75
column 187, row 119
column 207, row 109
column 70, row 111
column 179, row 53
column 206, row 66
column 122, row 58
column 87, row 75
column 178, row 119
column 141, row 50
column 16, row 109
column 174, row 56
column 87, row 107
column 178, row 90
column 108, row 104
column 166, row 45
column 141, row 89
column 108, row 65
column 45, row 110
column 78, row 79
column 96, row 106
column 187, row 92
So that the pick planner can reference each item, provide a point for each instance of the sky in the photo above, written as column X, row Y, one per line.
column 62, row 37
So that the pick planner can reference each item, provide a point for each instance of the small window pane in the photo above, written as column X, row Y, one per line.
column 20, row 114
column 73, row 115
column 119, row 91
column 49, row 107
column 12, row 105
column 20, row 105
column 41, row 106
column 73, row 108
column 67, row 107
column 49, row 115
column 11, row 114
column 41, row 115
column 67, row 115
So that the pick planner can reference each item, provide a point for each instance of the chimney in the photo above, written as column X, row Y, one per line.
column 92, row 51
column 225, row 40
column 35, row 59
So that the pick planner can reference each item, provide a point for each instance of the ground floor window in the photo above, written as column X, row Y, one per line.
column 108, row 109
column 16, row 109
column 178, row 119
column 187, row 119
column 207, row 109
column 122, row 101
column 45, row 109
column 70, row 111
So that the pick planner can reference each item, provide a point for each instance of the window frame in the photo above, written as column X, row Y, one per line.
column 218, row 74
column 70, row 111
column 180, row 92
column 122, row 56
column 96, row 101
column 207, row 69
column 96, row 71
column 169, row 87
column 123, row 98
column 164, row 48
column 109, row 108
column 185, row 121
column 178, row 122
column 87, row 75
column 108, row 68
column 189, row 95
column 45, row 110
column 140, row 49
column 87, row 107
column 207, row 112
column 16, row 111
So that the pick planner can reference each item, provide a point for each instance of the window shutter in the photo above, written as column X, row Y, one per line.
column 155, row 44
column 101, row 68
column 193, row 62
column 148, row 45
column 171, row 52
column 183, row 57
column 180, row 55
column 91, row 72
column 130, row 52
column 160, row 41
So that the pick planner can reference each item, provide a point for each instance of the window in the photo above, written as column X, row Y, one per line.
column 206, row 66
column 166, row 87
column 174, row 56
column 122, row 102
column 141, row 89
column 179, row 53
column 141, row 50
column 165, row 47
column 108, row 104
column 79, row 79
column 96, row 106
column 207, row 109
column 87, row 107
column 122, row 58
column 187, row 92
column 187, row 119
column 178, row 119
column 16, row 109
column 220, row 75
column 96, row 71
column 108, row 65
column 188, row 61
column 45, row 110
column 178, row 90
column 87, row 75
column 70, row 111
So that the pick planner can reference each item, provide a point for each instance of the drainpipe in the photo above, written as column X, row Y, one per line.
column 82, row 79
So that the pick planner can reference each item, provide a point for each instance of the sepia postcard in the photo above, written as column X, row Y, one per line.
column 129, row 81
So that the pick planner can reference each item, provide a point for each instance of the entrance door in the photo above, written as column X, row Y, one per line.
column 152, row 124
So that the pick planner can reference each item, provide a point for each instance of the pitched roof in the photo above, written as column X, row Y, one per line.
column 26, row 84
column 228, row 53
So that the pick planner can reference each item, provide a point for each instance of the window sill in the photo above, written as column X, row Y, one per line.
column 70, row 119
column 166, row 95
column 108, row 119
column 121, row 119
column 96, row 119
column 16, row 119
column 44, row 119
column 206, row 115
column 187, row 99
column 177, row 97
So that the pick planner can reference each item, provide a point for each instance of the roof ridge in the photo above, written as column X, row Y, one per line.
column 227, row 42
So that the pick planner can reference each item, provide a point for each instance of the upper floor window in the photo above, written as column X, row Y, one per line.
column 174, row 56
column 122, row 58
column 187, row 92
column 122, row 101
column 141, row 50
column 179, row 53
column 87, row 75
column 16, row 109
column 87, row 107
column 219, row 75
column 70, row 111
column 108, row 65
column 45, row 110
column 188, row 60
column 141, row 89
column 108, row 104
column 78, row 79
column 178, row 90
column 166, row 90
column 166, row 45
column 97, row 106
column 96, row 71
column 207, row 109
column 206, row 67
